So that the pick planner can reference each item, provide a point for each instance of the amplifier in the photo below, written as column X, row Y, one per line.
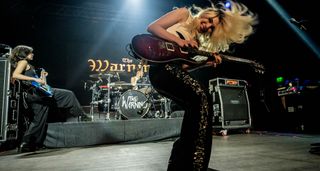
column 231, row 108
column 9, row 103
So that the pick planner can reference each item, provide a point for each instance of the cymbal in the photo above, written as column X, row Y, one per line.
column 101, row 75
column 121, row 85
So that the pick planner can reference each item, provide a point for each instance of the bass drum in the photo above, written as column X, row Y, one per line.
column 133, row 104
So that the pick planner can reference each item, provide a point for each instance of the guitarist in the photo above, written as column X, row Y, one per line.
column 39, row 103
column 210, row 29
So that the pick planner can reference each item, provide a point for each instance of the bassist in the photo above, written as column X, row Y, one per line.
column 38, row 102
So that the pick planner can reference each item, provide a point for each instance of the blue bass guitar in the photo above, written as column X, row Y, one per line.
column 43, row 88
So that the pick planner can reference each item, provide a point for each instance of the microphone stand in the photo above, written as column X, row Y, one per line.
column 94, row 97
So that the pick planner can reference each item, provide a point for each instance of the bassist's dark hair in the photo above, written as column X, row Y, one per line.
column 20, row 52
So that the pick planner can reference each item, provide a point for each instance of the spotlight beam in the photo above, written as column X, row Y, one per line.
column 304, row 37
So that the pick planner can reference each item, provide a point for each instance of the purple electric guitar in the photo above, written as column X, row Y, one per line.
column 157, row 50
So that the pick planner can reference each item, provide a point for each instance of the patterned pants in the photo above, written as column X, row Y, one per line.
column 192, row 150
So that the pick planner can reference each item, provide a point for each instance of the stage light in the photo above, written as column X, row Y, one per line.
column 279, row 80
column 293, row 24
column 134, row 3
column 227, row 5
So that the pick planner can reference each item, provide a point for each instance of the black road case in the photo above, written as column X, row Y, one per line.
column 231, row 108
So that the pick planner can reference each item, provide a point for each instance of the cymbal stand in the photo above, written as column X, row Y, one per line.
column 164, row 104
column 94, row 96
column 108, row 98
column 167, row 109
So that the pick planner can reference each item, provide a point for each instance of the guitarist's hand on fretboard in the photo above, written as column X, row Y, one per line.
column 217, row 60
column 211, row 63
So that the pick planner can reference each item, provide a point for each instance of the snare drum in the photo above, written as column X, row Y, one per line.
column 133, row 104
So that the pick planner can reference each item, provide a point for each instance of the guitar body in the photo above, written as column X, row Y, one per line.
column 156, row 50
column 45, row 89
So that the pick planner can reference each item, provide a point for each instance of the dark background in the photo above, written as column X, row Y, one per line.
column 66, row 33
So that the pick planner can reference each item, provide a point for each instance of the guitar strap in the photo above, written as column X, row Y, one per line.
column 191, row 68
column 180, row 35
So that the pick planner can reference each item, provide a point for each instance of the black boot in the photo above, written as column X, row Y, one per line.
column 26, row 147
column 84, row 117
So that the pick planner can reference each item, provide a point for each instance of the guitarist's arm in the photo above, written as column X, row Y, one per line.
column 22, row 66
column 158, row 27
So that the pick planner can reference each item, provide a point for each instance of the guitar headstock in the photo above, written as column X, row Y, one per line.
column 259, row 68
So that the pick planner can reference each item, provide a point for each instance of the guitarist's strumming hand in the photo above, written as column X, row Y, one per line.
column 187, row 43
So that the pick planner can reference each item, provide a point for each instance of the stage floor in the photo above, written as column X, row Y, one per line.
column 257, row 151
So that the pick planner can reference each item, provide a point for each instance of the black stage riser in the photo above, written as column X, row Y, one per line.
column 77, row 134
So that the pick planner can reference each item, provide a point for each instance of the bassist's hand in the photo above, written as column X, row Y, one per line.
column 40, row 81
column 45, row 74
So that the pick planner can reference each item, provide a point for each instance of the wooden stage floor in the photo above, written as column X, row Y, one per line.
column 257, row 151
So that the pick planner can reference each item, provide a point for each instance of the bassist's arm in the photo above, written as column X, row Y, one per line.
column 17, row 73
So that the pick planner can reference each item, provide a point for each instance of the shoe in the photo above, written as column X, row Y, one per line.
column 84, row 117
column 26, row 147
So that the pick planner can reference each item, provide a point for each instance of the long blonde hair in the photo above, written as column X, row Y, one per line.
column 236, row 24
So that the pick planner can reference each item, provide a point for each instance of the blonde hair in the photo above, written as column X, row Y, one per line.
column 236, row 24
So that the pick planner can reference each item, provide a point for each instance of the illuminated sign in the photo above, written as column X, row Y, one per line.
column 104, row 65
column 232, row 82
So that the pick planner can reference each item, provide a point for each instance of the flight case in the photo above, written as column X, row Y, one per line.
column 231, row 108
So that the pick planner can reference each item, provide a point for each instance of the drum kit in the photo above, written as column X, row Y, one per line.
column 112, row 96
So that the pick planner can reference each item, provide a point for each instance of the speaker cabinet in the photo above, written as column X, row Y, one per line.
column 9, row 103
column 231, row 108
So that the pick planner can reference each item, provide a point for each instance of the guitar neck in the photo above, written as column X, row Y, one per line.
column 224, row 57
column 235, row 59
